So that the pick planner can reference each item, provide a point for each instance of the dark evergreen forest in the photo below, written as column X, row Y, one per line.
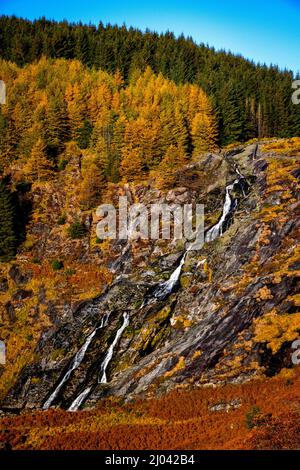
column 250, row 100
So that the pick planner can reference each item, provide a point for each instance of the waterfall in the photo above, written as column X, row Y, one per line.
column 159, row 292
column 217, row 230
column 82, row 396
column 75, row 363
column 110, row 351
column 242, row 180
column 77, row 402
column 166, row 288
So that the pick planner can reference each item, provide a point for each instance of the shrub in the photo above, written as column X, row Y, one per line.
column 76, row 230
column 279, row 433
column 251, row 417
column 62, row 220
column 57, row 265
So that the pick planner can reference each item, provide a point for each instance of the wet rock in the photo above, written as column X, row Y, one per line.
column 295, row 266
column 201, row 322
column 178, row 196
column 296, row 173
column 52, row 313
column 260, row 166
column 169, row 261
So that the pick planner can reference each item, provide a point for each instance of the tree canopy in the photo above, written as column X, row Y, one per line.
column 249, row 100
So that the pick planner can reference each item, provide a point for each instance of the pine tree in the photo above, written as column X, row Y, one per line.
column 56, row 126
column 84, row 134
column 233, row 116
column 7, row 225
column 113, row 168
column 130, row 51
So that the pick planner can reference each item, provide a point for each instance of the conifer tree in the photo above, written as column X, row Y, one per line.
column 130, row 51
column 56, row 126
column 75, row 109
column 84, row 134
column 203, row 134
column 92, row 186
column 131, row 165
column 173, row 161
column 7, row 225
column 233, row 124
column 38, row 167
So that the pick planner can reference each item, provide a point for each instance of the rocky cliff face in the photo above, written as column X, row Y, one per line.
column 229, row 316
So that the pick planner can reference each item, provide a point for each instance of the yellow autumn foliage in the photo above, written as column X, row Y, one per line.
column 179, row 366
column 274, row 329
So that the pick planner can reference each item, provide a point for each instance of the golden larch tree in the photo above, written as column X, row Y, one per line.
column 131, row 165
column 174, row 159
column 38, row 167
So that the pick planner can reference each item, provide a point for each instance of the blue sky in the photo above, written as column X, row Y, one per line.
column 265, row 31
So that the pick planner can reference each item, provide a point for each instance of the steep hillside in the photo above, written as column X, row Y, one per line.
column 167, row 316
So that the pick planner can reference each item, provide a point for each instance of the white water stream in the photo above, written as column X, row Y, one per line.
column 75, row 363
column 109, row 354
column 160, row 293
column 217, row 230
column 77, row 402
column 166, row 287
column 108, row 357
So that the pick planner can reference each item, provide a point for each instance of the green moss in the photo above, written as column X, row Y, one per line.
column 29, row 243
column 158, row 337
column 212, row 219
column 162, row 315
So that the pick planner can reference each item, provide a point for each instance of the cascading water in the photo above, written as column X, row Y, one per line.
column 78, row 401
column 110, row 351
column 75, row 363
column 218, row 229
column 82, row 396
column 164, row 289
column 161, row 292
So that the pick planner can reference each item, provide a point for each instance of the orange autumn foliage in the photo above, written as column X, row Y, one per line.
column 181, row 419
